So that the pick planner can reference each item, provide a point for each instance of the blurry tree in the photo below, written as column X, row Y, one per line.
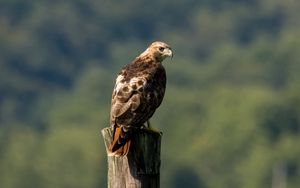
column 231, row 111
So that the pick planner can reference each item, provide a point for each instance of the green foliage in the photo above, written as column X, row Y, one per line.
column 231, row 110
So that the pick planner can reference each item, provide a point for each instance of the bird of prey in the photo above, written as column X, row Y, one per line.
column 138, row 92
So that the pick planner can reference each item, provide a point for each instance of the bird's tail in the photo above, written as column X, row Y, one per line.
column 120, row 144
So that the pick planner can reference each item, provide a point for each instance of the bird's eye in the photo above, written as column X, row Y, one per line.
column 161, row 49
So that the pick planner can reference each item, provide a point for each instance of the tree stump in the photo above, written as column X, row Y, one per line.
column 140, row 168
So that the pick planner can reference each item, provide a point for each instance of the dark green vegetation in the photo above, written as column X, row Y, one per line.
column 231, row 114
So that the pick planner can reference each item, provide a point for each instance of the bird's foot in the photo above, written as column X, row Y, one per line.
column 153, row 130
column 150, row 129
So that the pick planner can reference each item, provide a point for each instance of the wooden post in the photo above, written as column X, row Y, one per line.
column 140, row 168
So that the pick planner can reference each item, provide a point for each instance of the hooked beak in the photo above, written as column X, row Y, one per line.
column 169, row 52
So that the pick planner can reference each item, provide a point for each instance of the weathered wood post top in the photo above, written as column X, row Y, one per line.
column 140, row 168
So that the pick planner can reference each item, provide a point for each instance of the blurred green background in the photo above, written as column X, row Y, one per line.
column 231, row 114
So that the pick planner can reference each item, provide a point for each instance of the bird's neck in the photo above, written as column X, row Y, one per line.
column 148, row 57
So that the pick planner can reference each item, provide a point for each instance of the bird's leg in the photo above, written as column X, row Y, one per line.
column 148, row 124
column 151, row 129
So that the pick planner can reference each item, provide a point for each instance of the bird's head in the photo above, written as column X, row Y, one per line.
column 159, row 51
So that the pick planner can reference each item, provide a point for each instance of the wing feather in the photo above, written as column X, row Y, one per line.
column 126, row 96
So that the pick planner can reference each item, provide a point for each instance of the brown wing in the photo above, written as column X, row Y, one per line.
column 126, row 99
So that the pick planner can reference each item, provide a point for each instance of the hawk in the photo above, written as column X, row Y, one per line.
column 138, row 92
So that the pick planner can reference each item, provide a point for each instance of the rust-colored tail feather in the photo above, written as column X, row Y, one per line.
column 120, row 144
